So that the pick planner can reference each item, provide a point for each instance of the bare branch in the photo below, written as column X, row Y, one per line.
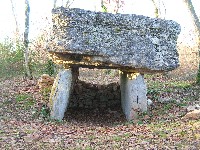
column 156, row 9
column 54, row 3
column 193, row 15
column 112, row 5
column 68, row 4
column 196, row 23
column 15, row 17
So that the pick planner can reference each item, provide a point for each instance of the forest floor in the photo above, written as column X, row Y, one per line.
column 25, row 124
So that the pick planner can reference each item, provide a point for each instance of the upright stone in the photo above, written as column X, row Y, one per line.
column 60, row 94
column 133, row 94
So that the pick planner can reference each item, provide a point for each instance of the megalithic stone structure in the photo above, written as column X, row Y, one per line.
column 60, row 93
column 134, row 44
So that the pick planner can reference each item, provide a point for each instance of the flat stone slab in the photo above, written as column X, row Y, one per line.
column 60, row 94
column 122, row 41
column 133, row 95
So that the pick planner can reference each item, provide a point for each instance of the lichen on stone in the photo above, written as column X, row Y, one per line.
column 125, row 41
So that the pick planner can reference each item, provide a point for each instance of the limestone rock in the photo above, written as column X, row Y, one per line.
column 60, row 94
column 45, row 81
column 193, row 107
column 133, row 95
column 149, row 102
column 165, row 99
column 195, row 114
column 88, row 95
column 121, row 41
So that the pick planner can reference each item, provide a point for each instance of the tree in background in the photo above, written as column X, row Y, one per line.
column 112, row 5
column 54, row 3
column 159, row 8
column 156, row 11
column 16, row 22
column 26, row 41
column 67, row 4
column 196, row 23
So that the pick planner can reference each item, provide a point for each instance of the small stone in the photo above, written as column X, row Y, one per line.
column 193, row 107
column 146, row 117
column 164, row 99
column 197, row 107
column 144, row 143
column 114, row 88
column 149, row 102
column 195, row 114
column 32, row 137
column 103, row 98
column 45, row 81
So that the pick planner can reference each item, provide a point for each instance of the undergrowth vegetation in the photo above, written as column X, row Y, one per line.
column 12, row 60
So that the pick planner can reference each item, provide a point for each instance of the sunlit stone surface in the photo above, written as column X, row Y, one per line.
column 134, row 44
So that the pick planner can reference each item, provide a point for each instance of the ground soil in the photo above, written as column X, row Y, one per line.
column 25, row 124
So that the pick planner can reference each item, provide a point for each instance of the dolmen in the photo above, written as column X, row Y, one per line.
column 134, row 44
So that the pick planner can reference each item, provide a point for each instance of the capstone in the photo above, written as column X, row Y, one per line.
column 122, row 41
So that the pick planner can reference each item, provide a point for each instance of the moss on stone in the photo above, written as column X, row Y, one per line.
column 53, row 91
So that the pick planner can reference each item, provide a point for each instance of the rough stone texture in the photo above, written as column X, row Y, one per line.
column 193, row 107
column 195, row 114
column 130, row 43
column 122, row 41
column 88, row 95
column 133, row 95
column 60, row 94
column 166, row 99
column 149, row 102
column 45, row 82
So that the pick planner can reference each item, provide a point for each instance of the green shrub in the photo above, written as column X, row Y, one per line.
column 50, row 67
column 45, row 111
column 11, row 59
column 25, row 100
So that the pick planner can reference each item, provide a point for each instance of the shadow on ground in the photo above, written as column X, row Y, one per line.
column 97, row 117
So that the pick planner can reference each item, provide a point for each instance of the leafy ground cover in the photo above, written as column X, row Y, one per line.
column 25, row 122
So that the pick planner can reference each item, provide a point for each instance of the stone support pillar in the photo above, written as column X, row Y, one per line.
column 133, row 94
column 75, row 74
column 60, row 94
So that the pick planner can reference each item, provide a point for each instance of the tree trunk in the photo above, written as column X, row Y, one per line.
column 118, row 6
column 103, row 7
column 68, row 3
column 16, row 23
column 112, row 6
column 26, row 41
column 156, row 11
column 54, row 3
column 196, row 23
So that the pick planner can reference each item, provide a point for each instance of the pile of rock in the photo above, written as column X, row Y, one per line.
column 45, row 82
column 88, row 95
